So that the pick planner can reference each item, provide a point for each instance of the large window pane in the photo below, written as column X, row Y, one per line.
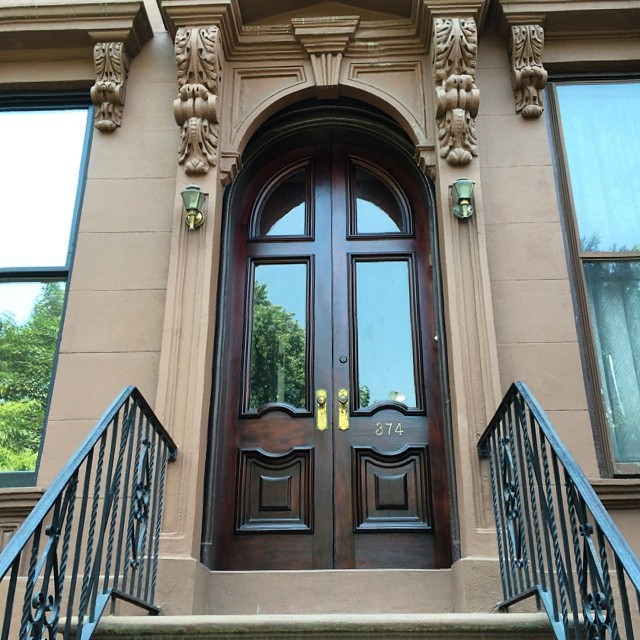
column 40, row 157
column 604, row 163
column 30, row 315
column 614, row 300
column 279, row 336
column 386, row 355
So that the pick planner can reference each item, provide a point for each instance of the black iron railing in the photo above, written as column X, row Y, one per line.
column 93, row 537
column 556, row 541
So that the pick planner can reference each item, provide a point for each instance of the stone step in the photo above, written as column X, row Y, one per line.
column 332, row 591
column 457, row 626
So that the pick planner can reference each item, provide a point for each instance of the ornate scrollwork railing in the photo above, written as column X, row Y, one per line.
column 93, row 537
column 556, row 541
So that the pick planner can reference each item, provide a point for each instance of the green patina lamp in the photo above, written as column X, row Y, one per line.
column 462, row 198
column 194, row 199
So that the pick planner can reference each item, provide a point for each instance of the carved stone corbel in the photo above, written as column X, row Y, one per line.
column 196, row 107
column 528, row 76
column 111, row 62
column 457, row 96
column 325, row 40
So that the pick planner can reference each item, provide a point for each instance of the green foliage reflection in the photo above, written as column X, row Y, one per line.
column 26, row 359
column 277, row 354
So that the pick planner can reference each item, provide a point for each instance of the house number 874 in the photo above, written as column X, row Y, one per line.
column 389, row 428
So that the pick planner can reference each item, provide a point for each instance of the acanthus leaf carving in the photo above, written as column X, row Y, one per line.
column 111, row 62
column 457, row 96
column 528, row 76
column 196, row 107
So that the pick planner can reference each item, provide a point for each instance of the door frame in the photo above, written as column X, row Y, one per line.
column 309, row 118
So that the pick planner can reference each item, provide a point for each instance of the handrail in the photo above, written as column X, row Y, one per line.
column 555, row 538
column 94, row 535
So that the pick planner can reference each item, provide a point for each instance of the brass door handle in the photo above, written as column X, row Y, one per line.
column 321, row 415
column 343, row 409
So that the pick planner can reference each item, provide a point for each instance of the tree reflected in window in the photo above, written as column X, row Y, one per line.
column 278, row 345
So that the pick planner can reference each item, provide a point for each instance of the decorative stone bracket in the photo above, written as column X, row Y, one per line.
column 457, row 97
column 528, row 76
column 325, row 40
column 196, row 108
column 111, row 61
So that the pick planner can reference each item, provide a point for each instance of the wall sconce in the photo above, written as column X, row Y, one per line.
column 193, row 200
column 462, row 198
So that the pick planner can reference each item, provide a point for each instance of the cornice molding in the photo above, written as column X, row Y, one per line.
column 567, row 19
column 371, row 37
column 27, row 27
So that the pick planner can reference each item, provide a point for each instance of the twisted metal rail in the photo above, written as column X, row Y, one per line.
column 93, row 537
column 556, row 541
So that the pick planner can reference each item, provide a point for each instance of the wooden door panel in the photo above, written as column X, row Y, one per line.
column 275, row 491
column 391, row 490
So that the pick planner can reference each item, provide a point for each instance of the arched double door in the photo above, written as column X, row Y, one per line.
column 328, row 416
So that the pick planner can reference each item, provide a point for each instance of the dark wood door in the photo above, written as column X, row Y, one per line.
column 330, row 431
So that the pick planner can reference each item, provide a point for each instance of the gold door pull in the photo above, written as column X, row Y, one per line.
column 321, row 416
column 343, row 409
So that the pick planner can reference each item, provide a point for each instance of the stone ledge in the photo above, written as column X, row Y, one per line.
column 73, row 26
column 15, row 505
column 618, row 493
column 464, row 626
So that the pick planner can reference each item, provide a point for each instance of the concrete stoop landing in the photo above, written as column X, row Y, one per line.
column 447, row 626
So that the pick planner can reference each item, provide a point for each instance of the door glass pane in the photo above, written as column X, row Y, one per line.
column 283, row 214
column 386, row 356
column 30, row 315
column 40, row 158
column 614, row 300
column 604, row 164
column 377, row 208
column 278, row 336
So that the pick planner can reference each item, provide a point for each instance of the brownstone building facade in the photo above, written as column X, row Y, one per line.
column 327, row 137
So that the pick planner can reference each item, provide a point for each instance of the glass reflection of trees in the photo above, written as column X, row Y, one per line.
column 278, row 349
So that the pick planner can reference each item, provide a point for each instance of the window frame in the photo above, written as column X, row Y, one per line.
column 577, row 258
column 49, row 101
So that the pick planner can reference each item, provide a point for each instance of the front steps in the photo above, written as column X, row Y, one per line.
column 331, row 591
column 456, row 626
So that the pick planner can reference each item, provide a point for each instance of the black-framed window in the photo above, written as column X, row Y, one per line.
column 598, row 136
column 44, row 146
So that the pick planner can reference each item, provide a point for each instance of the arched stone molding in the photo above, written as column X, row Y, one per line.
column 256, row 93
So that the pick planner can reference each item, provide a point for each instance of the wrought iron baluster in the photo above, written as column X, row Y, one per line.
column 57, row 525
column 570, row 526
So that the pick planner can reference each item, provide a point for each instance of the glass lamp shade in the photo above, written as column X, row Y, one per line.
column 193, row 198
column 462, row 196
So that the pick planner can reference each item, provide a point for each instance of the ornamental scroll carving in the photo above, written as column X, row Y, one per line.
column 528, row 76
column 111, row 62
column 196, row 108
column 457, row 96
